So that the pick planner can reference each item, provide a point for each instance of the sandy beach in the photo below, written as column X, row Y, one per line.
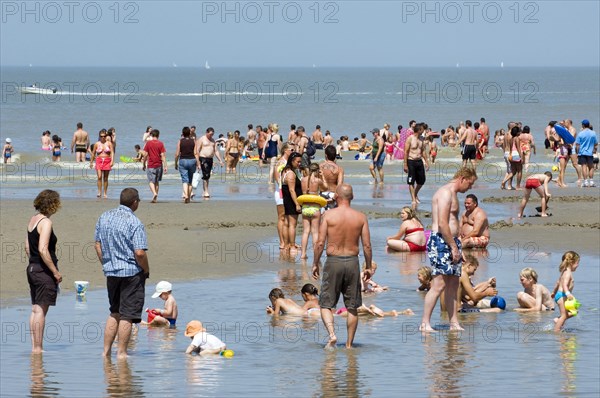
column 216, row 239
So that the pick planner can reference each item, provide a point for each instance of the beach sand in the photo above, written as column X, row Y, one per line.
column 216, row 239
column 201, row 240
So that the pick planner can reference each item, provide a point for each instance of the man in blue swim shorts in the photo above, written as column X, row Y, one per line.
column 444, row 248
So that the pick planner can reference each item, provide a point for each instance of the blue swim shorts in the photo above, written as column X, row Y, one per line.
column 440, row 256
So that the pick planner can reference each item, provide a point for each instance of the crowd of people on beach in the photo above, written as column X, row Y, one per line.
column 318, row 193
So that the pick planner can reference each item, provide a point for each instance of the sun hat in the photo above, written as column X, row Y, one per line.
column 162, row 287
column 193, row 328
column 8, row 140
column 374, row 131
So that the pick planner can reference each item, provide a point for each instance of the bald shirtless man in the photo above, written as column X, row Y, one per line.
column 333, row 174
column 342, row 228
column 474, row 226
column 444, row 248
column 80, row 142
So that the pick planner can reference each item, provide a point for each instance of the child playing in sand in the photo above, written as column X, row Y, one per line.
column 370, row 286
column 539, row 182
column 281, row 305
column 140, row 154
column 202, row 343
column 310, row 295
column 562, row 290
column 7, row 151
column 424, row 276
column 535, row 297
column 166, row 316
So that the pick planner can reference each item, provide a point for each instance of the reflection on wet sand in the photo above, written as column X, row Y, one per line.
column 40, row 386
column 340, row 376
column 120, row 382
column 445, row 359
column 568, row 355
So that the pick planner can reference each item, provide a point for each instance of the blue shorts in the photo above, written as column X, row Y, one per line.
column 379, row 162
column 559, row 294
column 440, row 256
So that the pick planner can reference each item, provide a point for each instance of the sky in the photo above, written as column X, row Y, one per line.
column 268, row 33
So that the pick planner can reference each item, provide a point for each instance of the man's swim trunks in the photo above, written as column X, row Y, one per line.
column 440, row 256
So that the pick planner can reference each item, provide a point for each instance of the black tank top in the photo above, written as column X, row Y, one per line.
column 33, row 238
column 186, row 148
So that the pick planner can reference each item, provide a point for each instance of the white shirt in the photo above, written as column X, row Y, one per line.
column 207, row 341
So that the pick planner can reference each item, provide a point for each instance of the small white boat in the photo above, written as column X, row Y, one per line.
column 206, row 65
column 33, row 89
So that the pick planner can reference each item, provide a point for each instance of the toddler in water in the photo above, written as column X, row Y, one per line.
column 310, row 295
column 281, row 305
column 562, row 290
column 370, row 286
column 373, row 310
column 424, row 276
column 535, row 297
column 168, row 315
column 202, row 343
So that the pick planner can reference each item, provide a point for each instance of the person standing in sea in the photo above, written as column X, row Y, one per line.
column 444, row 247
column 42, row 271
column 121, row 245
column 415, row 164
column 342, row 229
column 156, row 162
column 206, row 148
column 80, row 143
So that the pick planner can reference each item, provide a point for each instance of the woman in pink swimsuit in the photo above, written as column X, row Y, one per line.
column 103, row 158
column 411, row 236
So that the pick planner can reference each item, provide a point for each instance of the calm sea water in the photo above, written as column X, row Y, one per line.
column 344, row 101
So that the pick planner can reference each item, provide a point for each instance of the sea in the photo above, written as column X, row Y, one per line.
column 498, row 354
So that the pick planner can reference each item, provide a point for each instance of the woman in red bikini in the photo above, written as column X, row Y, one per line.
column 411, row 236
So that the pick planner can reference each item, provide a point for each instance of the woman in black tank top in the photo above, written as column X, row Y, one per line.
column 42, row 271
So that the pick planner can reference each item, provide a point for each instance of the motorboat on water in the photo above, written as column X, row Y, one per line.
column 33, row 89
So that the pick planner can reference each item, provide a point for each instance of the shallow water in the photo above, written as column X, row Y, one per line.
column 498, row 352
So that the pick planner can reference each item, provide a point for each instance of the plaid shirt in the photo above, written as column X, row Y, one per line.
column 120, row 233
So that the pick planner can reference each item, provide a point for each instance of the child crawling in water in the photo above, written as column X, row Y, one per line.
column 310, row 295
column 281, row 305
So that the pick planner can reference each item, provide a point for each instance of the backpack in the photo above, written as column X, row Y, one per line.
column 311, row 149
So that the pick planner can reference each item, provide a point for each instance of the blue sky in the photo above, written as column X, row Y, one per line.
column 300, row 33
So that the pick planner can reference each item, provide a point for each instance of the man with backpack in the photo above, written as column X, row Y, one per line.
column 306, row 147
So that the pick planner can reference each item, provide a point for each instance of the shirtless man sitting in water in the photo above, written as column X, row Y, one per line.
column 474, row 226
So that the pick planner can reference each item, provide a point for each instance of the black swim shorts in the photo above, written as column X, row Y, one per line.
column 206, row 165
column 416, row 172
column 126, row 296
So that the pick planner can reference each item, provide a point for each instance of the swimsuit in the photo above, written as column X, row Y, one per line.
column 440, row 256
column 532, row 183
column 80, row 148
column 311, row 310
column 171, row 322
column 559, row 295
column 413, row 246
column 56, row 150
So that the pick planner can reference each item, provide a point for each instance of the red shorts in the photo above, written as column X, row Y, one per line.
column 103, row 164
column 532, row 183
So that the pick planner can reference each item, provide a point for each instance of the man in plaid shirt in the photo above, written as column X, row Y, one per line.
column 121, row 246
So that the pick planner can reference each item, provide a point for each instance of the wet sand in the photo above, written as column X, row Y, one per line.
column 217, row 239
